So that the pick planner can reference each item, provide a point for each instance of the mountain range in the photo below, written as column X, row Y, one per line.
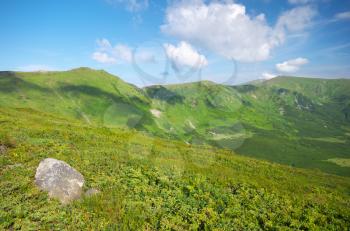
column 301, row 122
column 269, row 155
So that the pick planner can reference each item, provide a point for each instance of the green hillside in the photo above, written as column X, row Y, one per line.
column 163, row 156
column 296, row 121
column 83, row 93
column 300, row 122
column 148, row 183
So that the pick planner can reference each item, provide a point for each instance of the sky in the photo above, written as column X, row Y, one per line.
column 148, row 42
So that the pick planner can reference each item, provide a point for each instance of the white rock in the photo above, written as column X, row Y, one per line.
column 156, row 113
column 59, row 179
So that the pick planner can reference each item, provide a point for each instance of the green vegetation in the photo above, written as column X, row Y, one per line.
column 299, row 122
column 164, row 170
column 295, row 121
column 327, row 139
column 149, row 183
column 340, row 162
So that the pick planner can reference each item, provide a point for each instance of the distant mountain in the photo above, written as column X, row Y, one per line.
column 303, row 122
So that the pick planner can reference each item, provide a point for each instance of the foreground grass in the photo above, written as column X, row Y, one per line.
column 147, row 183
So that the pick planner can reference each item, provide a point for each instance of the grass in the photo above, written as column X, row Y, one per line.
column 192, row 112
column 270, row 135
column 327, row 139
column 341, row 162
column 148, row 183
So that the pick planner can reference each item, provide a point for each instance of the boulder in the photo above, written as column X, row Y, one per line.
column 59, row 179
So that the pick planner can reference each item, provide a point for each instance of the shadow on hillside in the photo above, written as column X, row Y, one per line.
column 96, row 92
column 244, row 88
column 10, row 82
column 164, row 94
column 129, row 102
column 134, row 98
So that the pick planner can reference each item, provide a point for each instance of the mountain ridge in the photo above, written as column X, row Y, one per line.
column 294, row 112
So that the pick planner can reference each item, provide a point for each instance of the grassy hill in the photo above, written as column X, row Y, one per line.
column 82, row 93
column 309, row 122
column 299, row 122
column 296, row 121
column 156, row 154
column 148, row 183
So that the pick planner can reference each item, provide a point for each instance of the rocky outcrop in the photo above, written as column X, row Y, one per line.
column 59, row 179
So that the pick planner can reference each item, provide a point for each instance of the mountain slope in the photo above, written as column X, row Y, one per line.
column 295, row 121
column 93, row 96
column 149, row 183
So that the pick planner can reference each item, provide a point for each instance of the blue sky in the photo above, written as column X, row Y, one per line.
column 149, row 42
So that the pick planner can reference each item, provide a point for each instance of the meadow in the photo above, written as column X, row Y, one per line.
column 150, row 183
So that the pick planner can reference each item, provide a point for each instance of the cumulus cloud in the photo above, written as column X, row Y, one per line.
column 131, row 5
column 119, row 53
column 343, row 15
column 184, row 55
column 108, row 54
column 296, row 19
column 292, row 65
column 226, row 29
column 268, row 76
column 123, row 52
column 103, row 58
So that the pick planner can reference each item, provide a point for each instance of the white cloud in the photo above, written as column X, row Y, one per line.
column 104, row 44
column 122, row 52
column 299, row 1
column 108, row 54
column 292, row 65
column 131, row 5
column 226, row 29
column 343, row 15
column 103, row 58
column 268, row 76
column 296, row 19
column 184, row 55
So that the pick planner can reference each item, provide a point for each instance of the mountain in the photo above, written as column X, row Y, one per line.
column 296, row 121
column 176, row 156
column 300, row 122
column 148, row 183
column 85, row 94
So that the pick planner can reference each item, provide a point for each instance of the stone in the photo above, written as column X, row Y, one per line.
column 3, row 149
column 92, row 192
column 59, row 179
column 156, row 113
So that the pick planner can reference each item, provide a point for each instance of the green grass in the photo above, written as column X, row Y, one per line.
column 304, row 135
column 312, row 128
column 341, row 162
column 327, row 139
column 148, row 183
